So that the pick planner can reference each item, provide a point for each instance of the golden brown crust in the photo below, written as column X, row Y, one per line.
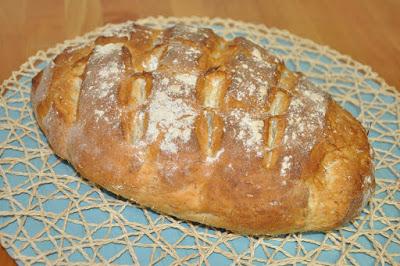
column 214, row 131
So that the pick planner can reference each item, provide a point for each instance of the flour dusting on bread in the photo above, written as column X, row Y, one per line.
column 172, row 118
column 248, row 130
column 108, row 73
column 250, row 78
column 306, row 116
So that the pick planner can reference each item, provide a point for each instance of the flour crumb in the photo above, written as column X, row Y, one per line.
column 117, row 187
column 187, row 79
column 107, row 49
column 98, row 113
column 256, row 54
column 286, row 165
column 211, row 159
column 151, row 64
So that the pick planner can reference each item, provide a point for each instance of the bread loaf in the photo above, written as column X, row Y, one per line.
column 205, row 129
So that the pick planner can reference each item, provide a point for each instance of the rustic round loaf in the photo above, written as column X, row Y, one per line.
column 209, row 130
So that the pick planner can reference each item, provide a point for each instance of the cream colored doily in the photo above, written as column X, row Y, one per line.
column 49, row 215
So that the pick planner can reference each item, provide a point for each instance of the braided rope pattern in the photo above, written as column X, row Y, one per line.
column 50, row 215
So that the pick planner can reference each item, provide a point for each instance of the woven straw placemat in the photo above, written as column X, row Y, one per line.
column 50, row 215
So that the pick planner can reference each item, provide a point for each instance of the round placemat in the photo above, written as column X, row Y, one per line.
column 50, row 215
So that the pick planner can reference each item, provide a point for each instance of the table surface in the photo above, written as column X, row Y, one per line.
column 368, row 31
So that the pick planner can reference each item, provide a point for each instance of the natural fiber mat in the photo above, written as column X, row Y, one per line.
column 50, row 215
